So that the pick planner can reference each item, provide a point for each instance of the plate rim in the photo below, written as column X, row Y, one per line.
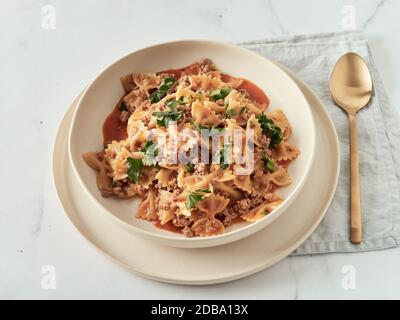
column 229, row 277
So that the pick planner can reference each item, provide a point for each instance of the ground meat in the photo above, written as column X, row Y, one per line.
column 187, row 232
column 173, row 184
column 125, row 190
column 201, row 169
column 264, row 140
column 141, row 191
column 185, row 107
column 184, row 79
column 124, row 116
column 260, row 150
column 187, row 112
column 244, row 92
column 220, row 102
column 128, row 83
column 241, row 207
column 106, row 192
column 181, row 222
column 270, row 196
column 197, row 215
column 227, row 215
column 119, row 192
column 244, row 205
column 100, row 155
column 175, row 194
column 118, row 189
column 258, row 173
column 206, row 65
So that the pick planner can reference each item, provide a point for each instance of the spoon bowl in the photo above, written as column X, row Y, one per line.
column 351, row 83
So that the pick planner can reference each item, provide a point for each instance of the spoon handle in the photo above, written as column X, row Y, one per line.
column 355, row 207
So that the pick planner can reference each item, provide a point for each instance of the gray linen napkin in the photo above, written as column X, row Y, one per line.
column 312, row 58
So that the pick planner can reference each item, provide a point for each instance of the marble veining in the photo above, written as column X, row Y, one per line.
column 44, row 67
column 370, row 19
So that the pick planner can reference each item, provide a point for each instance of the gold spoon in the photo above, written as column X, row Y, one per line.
column 351, row 88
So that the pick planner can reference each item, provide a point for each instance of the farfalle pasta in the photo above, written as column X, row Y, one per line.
column 179, row 190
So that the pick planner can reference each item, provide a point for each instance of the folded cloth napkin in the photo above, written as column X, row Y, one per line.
column 312, row 58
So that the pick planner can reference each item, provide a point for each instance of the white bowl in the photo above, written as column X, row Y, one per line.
column 100, row 97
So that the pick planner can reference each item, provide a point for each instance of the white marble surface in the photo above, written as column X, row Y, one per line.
column 43, row 70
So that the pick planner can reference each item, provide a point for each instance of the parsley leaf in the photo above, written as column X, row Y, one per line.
column 190, row 167
column 173, row 114
column 147, row 145
column 150, row 153
column 271, row 130
column 195, row 197
column 161, row 92
column 221, row 161
column 269, row 164
column 221, row 93
column 229, row 113
column 212, row 131
column 175, row 103
column 122, row 106
column 197, row 127
column 135, row 167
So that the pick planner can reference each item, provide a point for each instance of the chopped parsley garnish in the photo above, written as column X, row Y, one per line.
column 269, row 164
column 221, row 161
column 271, row 130
column 219, row 94
column 122, row 106
column 135, row 167
column 150, row 153
column 200, row 93
column 173, row 114
column 161, row 92
column 198, row 127
column 212, row 131
column 175, row 103
column 190, row 167
column 195, row 197
column 147, row 145
column 229, row 113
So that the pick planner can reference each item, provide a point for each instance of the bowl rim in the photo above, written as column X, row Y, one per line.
column 198, row 240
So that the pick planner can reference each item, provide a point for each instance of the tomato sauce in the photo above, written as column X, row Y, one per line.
column 169, row 226
column 113, row 127
column 255, row 92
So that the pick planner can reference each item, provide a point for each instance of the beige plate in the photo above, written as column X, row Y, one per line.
column 207, row 265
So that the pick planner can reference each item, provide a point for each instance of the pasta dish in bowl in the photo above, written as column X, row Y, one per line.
column 200, row 149
column 193, row 197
